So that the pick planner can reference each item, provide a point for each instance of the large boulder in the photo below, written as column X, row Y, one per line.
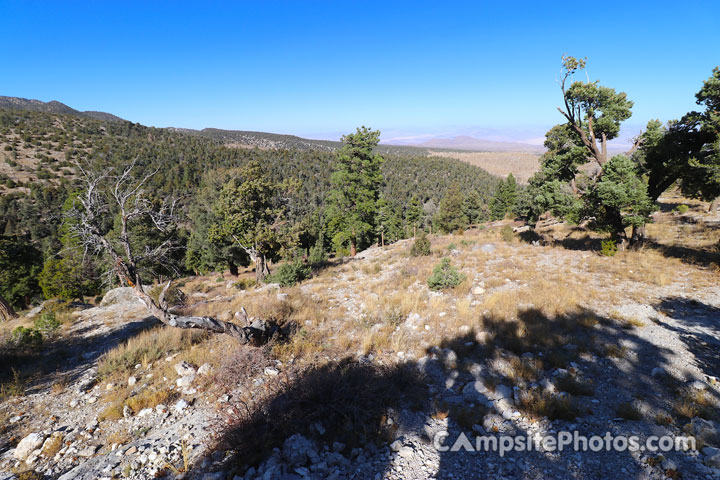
column 706, row 431
column 27, row 445
column 120, row 295
column 297, row 450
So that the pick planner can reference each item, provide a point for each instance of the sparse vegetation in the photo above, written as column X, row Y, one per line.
column 147, row 347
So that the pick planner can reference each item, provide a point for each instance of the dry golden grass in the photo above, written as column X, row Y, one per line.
column 119, row 437
column 147, row 347
column 52, row 445
column 521, row 164
column 540, row 404
column 149, row 398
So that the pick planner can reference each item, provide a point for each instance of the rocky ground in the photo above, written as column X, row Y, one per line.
column 651, row 347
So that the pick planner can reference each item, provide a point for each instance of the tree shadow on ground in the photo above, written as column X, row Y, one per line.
column 507, row 366
column 62, row 359
column 692, row 255
column 584, row 243
column 698, row 329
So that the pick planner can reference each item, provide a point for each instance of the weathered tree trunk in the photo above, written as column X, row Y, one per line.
column 637, row 239
column 247, row 334
column 6, row 310
column 353, row 248
column 261, row 269
column 233, row 269
column 382, row 239
column 714, row 205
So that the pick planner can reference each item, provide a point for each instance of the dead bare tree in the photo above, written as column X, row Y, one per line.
column 6, row 310
column 124, row 197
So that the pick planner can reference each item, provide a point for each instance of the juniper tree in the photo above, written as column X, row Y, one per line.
column 686, row 151
column 609, row 193
column 250, row 214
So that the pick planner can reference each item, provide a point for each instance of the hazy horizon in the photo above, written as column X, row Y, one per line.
column 411, row 70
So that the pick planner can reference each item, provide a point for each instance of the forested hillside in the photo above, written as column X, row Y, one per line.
column 39, row 153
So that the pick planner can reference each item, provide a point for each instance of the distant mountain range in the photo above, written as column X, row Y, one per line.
column 464, row 142
column 53, row 107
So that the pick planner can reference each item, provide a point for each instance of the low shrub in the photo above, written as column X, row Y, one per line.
column 47, row 323
column 26, row 337
column 421, row 246
column 445, row 276
column 682, row 209
column 317, row 256
column 290, row 273
column 608, row 248
column 571, row 385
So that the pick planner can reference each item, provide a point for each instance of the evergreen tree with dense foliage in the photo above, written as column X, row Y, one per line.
column 356, row 183
column 414, row 214
column 686, row 151
column 388, row 222
column 505, row 199
column 610, row 193
column 20, row 263
column 450, row 215
column 203, row 255
column 250, row 213
column 68, row 274
column 473, row 207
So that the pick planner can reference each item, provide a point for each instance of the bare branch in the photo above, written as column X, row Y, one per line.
column 87, row 225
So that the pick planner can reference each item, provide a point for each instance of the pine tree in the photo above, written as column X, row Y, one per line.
column 504, row 200
column 388, row 223
column 356, row 182
column 450, row 215
column 414, row 214
column 472, row 207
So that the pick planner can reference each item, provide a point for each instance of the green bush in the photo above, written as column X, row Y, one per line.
column 26, row 337
column 451, row 246
column 608, row 248
column 445, row 276
column 317, row 256
column 47, row 322
column 290, row 273
column 507, row 234
column 682, row 209
column 421, row 246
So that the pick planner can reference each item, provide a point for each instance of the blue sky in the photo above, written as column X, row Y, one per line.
column 320, row 68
